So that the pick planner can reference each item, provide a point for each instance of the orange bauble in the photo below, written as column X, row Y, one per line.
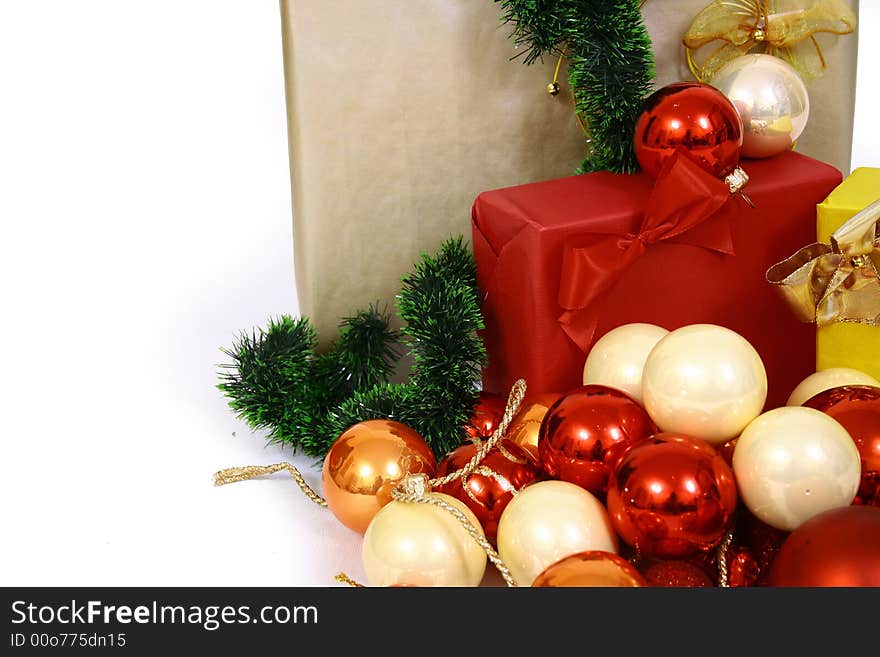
column 365, row 463
column 525, row 426
column 590, row 569
column 489, row 494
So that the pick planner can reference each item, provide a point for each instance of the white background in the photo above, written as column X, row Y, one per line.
column 145, row 213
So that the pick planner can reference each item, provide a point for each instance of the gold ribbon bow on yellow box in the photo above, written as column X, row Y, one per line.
column 836, row 282
column 785, row 28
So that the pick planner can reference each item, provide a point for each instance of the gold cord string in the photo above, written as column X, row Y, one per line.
column 486, row 472
column 513, row 402
column 414, row 489
column 477, row 535
column 232, row 475
column 509, row 456
column 342, row 578
column 553, row 87
column 721, row 559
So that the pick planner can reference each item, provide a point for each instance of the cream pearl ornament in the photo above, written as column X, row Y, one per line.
column 793, row 463
column 704, row 381
column 617, row 360
column 547, row 521
column 417, row 544
column 828, row 379
column 771, row 99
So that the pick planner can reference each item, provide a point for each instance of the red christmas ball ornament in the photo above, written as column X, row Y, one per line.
column 487, row 495
column 742, row 568
column 672, row 496
column 678, row 574
column 691, row 117
column 857, row 408
column 760, row 539
column 839, row 547
column 486, row 415
column 586, row 432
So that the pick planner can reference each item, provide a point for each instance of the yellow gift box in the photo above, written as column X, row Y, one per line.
column 849, row 344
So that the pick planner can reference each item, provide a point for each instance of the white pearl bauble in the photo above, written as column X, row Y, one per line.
column 415, row 544
column 828, row 379
column 792, row 463
column 617, row 360
column 547, row 521
column 704, row 381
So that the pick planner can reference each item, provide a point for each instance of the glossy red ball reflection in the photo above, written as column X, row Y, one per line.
column 672, row 496
column 742, row 567
column 586, row 432
column 486, row 415
column 857, row 408
column 489, row 495
column 692, row 117
column 840, row 547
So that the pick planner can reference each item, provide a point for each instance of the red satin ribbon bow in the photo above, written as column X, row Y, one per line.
column 684, row 196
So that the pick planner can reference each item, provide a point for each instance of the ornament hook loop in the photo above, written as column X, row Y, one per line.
column 736, row 180
column 416, row 485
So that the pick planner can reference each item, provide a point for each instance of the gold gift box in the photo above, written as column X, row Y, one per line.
column 847, row 344
column 401, row 111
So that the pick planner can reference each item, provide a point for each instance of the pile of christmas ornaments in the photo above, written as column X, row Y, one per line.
column 661, row 470
column 755, row 107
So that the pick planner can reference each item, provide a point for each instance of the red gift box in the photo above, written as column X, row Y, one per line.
column 561, row 263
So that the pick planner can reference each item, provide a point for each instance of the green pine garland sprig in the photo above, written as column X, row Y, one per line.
column 538, row 26
column 269, row 379
column 275, row 381
column 611, row 66
column 439, row 301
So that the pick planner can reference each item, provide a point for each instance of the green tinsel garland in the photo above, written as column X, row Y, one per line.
column 276, row 382
column 439, row 302
column 611, row 66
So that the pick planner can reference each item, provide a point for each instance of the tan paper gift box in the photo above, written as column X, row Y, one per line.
column 400, row 112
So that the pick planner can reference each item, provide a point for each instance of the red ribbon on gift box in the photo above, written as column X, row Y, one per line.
column 684, row 196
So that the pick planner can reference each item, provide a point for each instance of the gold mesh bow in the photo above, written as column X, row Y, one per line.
column 784, row 28
column 836, row 282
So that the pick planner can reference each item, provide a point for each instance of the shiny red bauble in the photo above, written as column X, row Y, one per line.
column 691, row 117
column 840, row 547
column 587, row 431
column 489, row 495
column 486, row 416
column 760, row 540
column 857, row 408
column 672, row 496
column 742, row 568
